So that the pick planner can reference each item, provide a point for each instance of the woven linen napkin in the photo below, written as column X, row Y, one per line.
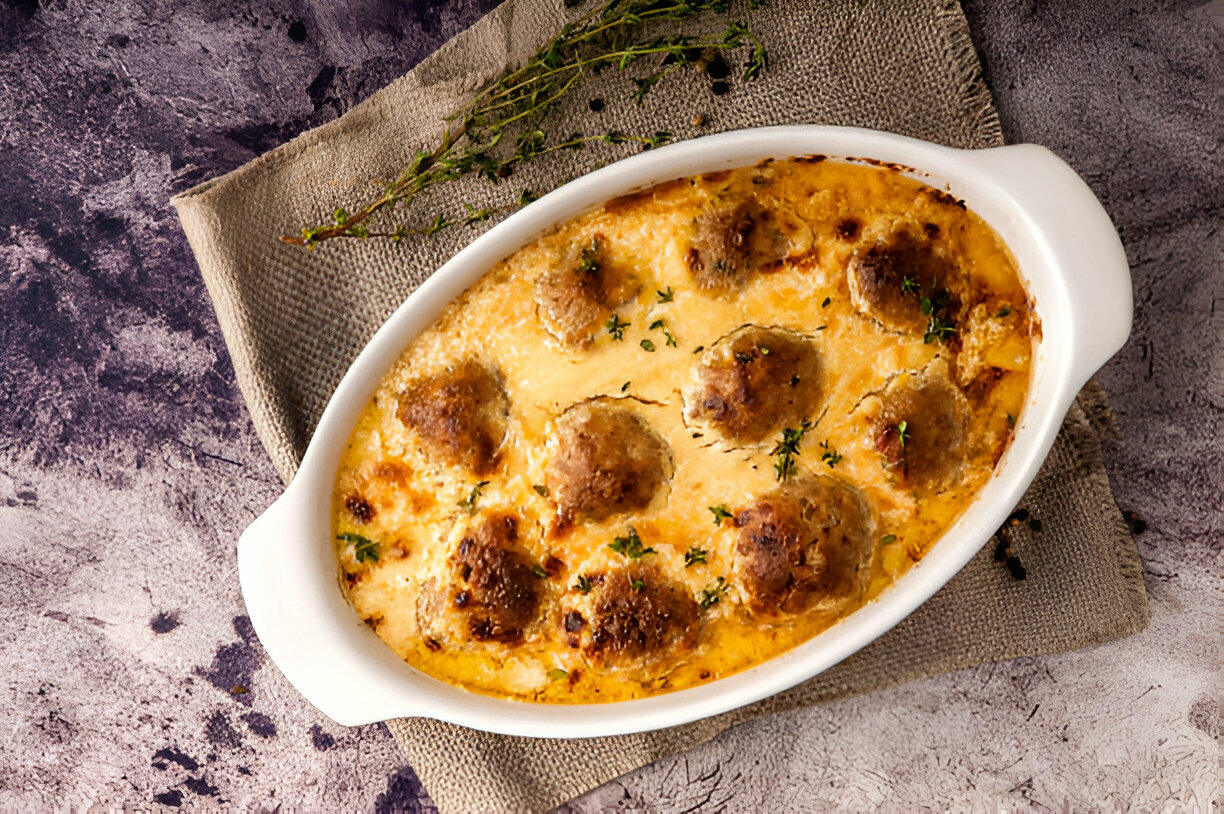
column 294, row 320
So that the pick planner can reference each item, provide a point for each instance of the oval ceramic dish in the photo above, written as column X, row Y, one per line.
column 1074, row 269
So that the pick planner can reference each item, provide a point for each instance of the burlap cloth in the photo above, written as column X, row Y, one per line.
column 294, row 320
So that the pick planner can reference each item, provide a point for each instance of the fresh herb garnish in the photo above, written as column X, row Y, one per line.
column 630, row 545
column 499, row 129
column 654, row 326
column 624, row 387
column 666, row 295
column 903, row 433
column 787, row 449
column 721, row 513
column 710, row 596
column 557, row 674
column 830, row 456
column 888, row 538
column 468, row 504
column 540, row 489
column 937, row 330
column 1004, row 311
column 1011, row 421
column 699, row 349
column 539, row 571
column 909, row 285
column 826, row 302
column 584, row 584
column 616, row 327
column 588, row 262
column 695, row 555
column 637, row 585
column 364, row 549
column 647, row 345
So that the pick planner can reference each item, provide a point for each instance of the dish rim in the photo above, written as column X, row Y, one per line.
column 1073, row 267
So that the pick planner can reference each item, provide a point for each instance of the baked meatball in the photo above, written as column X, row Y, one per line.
column 920, row 431
column 904, row 284
column 806, row 545
column 629, row 615
column 607, row 461
column 459, row 414
column 754, row 380
column 732, row 243
column 492, row 593
column 575, row 299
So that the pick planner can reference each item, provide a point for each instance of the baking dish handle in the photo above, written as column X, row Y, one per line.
column 288, row 578
column 1080, row 240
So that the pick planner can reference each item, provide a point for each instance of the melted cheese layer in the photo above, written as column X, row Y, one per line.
column 397, row 495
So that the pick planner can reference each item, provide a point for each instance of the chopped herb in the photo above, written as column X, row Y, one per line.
column 624, row 387
column 557, row 674
column 903, row 432
column 539, row 571
column 710, row 596
column 364, row 549
column 584, row 584
column 888, row 538
column 1004, row 311
column 630, row 545
column 540, row 489
column 695, row 555
column 830, row 456
column 616, row 327
column 589, row 263
column 826, row 302
column 666, row 295
column 699, row 349
column 821, row 327
column 909, row 286
column 468, row 504
column 647, row 345
column 761, row 349
column 721, row 513
column 1011, row 420
column 937, row 330
column 637, row 585
column 658, row 323
column 527, row 197
column 787, row 449
column 671, row 340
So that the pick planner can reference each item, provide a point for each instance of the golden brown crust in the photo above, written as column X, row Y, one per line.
column 575, row 299
column 804, row 545
column 732, row 243
column 459, row 414
column 754, row 380
column 494, row 586
column 633, row 614
column 920, row 431
column 608, row 461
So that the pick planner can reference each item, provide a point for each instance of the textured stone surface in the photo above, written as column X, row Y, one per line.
column 128, row 465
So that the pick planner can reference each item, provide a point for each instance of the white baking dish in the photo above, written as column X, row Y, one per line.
column 1075, row 270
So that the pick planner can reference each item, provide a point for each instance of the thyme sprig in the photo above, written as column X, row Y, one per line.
column 499, row 128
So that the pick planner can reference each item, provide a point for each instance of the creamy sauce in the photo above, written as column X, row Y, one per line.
column 412, row 505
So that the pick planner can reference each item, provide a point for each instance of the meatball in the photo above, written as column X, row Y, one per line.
column 906, row 285
column 733, row 243
column 493, row 587
column 806, row 545
column 753, row 380
column 608, row 461
column 575, row 299
column 459, row 415
column 920, row 431
column 631, row 614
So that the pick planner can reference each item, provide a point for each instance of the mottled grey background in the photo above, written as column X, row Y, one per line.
column 128, row 465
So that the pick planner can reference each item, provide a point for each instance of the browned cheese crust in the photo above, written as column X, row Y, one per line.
column 804, row 545
column 459, row 415
column 754, row 380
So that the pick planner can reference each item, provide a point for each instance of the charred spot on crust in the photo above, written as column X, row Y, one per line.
column 733, row 243
column 459, row 414
column 753, row 380
column 804, row 545
column 920, row 431
column 575, row 298
column 637, row 613
column 848, row 228
column 493, row 584
column 905, row 284
column 608, row 461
